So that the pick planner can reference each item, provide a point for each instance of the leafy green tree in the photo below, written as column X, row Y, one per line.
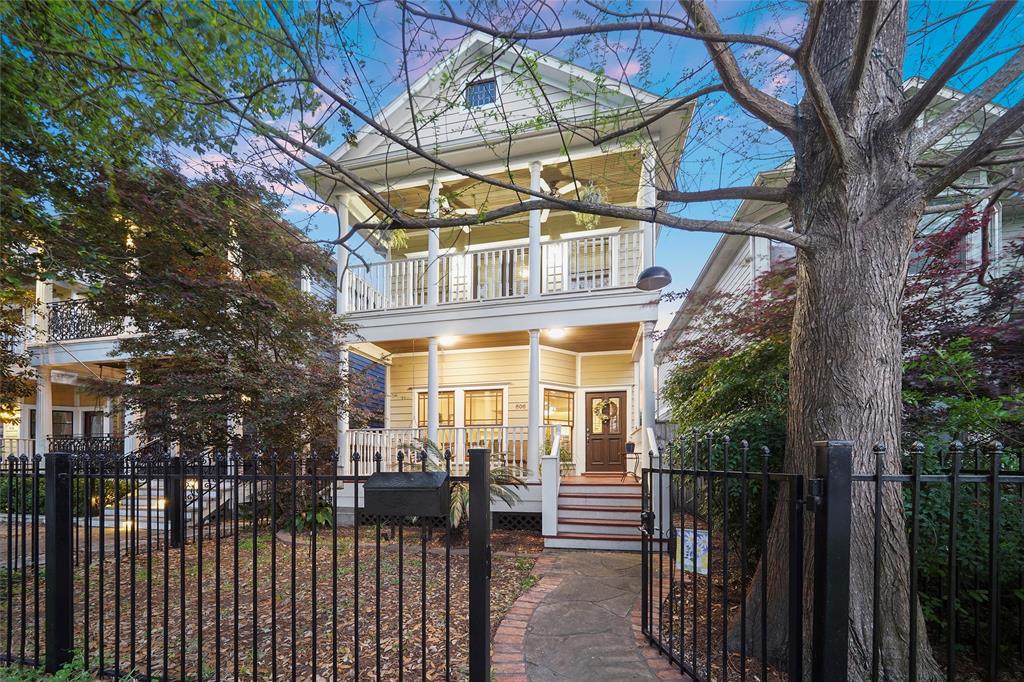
column 210, row 278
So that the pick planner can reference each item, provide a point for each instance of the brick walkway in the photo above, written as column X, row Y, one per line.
column 579, row 622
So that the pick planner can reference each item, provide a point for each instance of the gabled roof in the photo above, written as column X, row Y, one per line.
column 498, row 55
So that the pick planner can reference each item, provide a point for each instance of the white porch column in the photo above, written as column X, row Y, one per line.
column 647, row 198
column 44, row 296
column 433, row 244
column 131, row 416
column 341, row 255
column 108, row 417
column 648, row 386
column 533, row 442
column 433, row 417
column 44, row 410
column 534, row 252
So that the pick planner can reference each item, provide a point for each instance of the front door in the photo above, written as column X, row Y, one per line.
column 606, row 431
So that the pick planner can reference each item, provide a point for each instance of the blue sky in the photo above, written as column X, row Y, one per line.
column 726, row 146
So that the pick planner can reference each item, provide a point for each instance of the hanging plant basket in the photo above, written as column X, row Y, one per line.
column 590, row 194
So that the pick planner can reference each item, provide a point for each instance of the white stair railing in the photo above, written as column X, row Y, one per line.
column 550, row 480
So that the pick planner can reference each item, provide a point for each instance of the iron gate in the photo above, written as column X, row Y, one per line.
column 705, row 517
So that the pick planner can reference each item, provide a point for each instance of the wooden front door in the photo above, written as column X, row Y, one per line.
column 606, row 431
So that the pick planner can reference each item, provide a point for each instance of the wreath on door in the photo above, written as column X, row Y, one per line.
column 606, row 409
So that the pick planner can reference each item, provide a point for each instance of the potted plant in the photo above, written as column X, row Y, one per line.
column 630, row 447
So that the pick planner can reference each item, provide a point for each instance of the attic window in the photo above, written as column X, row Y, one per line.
column 481, row 93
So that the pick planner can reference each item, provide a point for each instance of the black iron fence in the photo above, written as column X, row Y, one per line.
column 228, row 567
column 736, row 586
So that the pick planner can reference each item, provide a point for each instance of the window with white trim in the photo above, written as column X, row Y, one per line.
column 481, row 93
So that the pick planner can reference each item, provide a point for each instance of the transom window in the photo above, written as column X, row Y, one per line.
column 445, row 408
column 485, row 408
column 481, row 93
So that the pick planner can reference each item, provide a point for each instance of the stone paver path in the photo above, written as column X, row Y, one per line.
column 580, row 622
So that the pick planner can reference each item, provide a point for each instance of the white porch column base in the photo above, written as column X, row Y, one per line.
column 648, row 385
column 533, row 440
column 44, row 410
column 550, row 481
column 661, row 497
column 433, row 417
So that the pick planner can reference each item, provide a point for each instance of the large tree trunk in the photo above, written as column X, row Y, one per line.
column 846, row 358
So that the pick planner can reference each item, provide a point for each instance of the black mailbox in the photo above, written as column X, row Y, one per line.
column 407, row 493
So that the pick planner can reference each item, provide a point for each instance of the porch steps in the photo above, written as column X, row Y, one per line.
column 144, row 507
column 597, row 511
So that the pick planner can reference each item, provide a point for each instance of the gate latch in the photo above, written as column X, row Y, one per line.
column 815, row 492
column 647, row 523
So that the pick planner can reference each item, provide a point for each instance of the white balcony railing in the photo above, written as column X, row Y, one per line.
column 581, row 264
column 589, row 263
column 508, row 446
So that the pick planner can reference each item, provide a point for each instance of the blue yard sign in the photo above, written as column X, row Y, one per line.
column 692, row 550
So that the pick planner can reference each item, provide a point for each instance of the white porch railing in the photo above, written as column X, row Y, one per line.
column 484, row 275
column 587, row 263
column 581, row 264
column 387, row 285
column 17, row 446
column 508, row 446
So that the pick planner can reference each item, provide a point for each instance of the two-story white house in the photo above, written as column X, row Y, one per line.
column 525, row 335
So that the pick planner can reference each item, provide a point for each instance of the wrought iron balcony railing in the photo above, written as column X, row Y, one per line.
column 71, row 320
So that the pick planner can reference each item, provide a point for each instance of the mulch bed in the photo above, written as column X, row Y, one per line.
column 271, row 623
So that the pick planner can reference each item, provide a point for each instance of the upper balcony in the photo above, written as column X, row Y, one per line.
column 74, row 320
column 581, row 264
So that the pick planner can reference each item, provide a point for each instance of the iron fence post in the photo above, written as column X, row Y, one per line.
column 59, row 562
column 174, row 489
column 831, row 616
column 479, row 565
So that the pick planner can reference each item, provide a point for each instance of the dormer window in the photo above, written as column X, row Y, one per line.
column 481, row 93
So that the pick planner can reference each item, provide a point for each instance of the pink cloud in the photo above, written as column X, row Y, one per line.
column 627, row 70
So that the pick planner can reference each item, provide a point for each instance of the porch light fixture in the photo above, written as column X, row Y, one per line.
column 653, row 278
column 557, row 333
column 446, row 340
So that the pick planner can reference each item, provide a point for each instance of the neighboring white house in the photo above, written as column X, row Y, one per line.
column 525, row 335
column 737, row 262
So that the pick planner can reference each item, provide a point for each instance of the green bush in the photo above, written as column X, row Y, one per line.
column 16, row 494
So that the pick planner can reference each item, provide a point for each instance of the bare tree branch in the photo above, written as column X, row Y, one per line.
column 816, row 88
column 646, row 24
column 964, row 49
column 772, row 194
column 653, row 215
column 865, row 35
column 774, row 112
column 947, row 122
column 676, row 105
column 983, row 145
column 1013, row 183
column 990, row 161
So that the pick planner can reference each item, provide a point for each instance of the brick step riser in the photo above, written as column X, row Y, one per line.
column 596, row 489
column 601, row 514
column 599, row 529
column 598, row 501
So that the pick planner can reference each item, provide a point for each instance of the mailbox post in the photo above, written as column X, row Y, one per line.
column 479, row 565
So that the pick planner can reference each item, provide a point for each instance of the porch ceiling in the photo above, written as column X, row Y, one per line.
column 617, row 174
column 577, row 339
